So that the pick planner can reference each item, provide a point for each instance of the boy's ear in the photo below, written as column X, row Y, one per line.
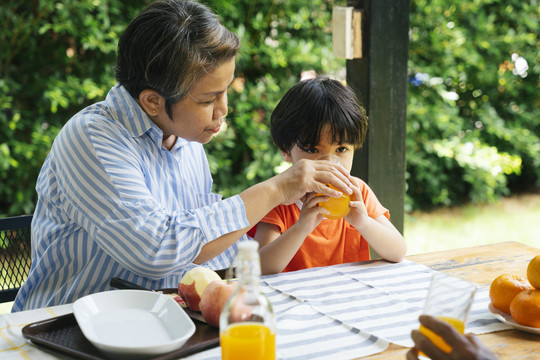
column 151, row 102
column 286, row 156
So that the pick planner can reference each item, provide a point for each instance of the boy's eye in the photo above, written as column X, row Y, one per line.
column 342, row 149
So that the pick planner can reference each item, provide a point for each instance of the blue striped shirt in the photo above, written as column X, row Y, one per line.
column 113, row 202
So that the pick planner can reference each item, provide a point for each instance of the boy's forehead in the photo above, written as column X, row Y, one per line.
column 331, row 137
column 326, row 141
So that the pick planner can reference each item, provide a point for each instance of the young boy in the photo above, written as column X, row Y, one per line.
column 318, row 119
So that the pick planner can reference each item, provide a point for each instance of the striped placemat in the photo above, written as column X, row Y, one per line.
column 353, row 310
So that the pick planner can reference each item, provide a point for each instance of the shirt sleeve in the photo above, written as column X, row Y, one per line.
column 373, row 206
column 104, row 187
column 280, row 216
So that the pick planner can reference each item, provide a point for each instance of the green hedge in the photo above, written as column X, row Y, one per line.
column 55, row 58
column 473, row 118
column 472, row 132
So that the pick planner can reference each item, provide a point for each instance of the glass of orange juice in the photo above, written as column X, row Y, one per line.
column 449, row 299
column 338, row 207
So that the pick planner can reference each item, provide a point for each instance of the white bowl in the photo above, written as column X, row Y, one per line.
column 508, row 320
column 133, row 323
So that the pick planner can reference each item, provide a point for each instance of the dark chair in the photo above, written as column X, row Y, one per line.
column 15, row 255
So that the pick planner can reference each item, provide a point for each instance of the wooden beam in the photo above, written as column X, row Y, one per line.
column 380, row 80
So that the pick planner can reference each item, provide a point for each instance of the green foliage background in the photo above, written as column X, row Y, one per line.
column 473, row 126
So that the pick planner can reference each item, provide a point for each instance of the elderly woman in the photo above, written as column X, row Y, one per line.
column 126, row 188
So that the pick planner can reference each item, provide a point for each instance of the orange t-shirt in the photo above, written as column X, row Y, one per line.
column 333, row 241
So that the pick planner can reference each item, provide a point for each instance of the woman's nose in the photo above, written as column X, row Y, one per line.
column 221, row 106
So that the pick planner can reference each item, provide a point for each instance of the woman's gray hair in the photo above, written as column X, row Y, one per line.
column 169, row 46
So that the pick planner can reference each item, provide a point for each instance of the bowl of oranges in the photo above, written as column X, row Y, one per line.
column 516, row 301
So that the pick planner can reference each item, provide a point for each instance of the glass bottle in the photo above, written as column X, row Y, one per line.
column 247, row 323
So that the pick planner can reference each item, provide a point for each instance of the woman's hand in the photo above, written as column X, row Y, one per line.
column 312, row 176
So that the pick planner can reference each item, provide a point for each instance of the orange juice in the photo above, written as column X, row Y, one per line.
column 436, row 339
column 248, row 341
column 338, row 207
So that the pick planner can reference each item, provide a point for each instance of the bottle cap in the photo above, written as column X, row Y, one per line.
column 247, row 247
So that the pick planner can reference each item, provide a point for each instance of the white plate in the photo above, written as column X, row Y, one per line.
column 507, row 319
column 133, row 323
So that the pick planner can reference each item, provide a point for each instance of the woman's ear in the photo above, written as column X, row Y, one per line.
column 151, row 102
column 286, row 156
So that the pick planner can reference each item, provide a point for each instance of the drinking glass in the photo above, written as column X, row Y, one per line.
column 449, row 299
column 338, row 207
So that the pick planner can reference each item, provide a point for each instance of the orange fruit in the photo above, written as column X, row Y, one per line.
column 525, row 308
column 533, row 272
column 504, row 288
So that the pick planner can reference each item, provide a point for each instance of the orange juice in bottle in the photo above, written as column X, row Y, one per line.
column 436, row 339
column 247, row 323
column 248, row 341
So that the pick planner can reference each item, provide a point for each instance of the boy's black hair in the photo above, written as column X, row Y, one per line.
column 308, row 106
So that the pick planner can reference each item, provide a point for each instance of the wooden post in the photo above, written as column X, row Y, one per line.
column 380, row 80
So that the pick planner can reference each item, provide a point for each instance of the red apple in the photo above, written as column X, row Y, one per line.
column 193, row 284
column 214, row 298
column 241, row 311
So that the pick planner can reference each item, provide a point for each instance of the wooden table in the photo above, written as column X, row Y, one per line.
column 477, row 264
column 482, row 264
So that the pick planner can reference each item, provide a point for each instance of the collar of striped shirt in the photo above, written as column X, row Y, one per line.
column 125, row 110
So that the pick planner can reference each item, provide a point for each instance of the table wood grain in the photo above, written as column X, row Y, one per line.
column 482, row 264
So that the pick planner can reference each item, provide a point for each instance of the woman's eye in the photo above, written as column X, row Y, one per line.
column 311, row 151
column 209, row 102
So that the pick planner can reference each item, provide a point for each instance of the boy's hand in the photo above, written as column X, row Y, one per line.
column 358, row 215
column 311, row 214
